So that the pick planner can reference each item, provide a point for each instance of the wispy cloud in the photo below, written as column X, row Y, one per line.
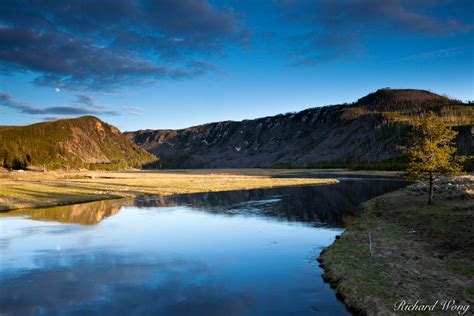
column 51, row 118
column 87, row 100
column 435, row 54
column 8, row 101
column 334, row 29
column 133, row 110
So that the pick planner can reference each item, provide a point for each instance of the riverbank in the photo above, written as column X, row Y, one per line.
column 420, row 252
column 298, row 173
column 37, row 189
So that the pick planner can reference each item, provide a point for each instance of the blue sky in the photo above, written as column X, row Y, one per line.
column 172, row 64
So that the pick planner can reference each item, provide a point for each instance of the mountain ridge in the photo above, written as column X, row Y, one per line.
column 366, row 131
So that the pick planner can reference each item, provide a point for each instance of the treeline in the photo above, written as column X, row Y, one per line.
column 394, row 164
column 25, row 162
column 453, row 114
column 14, row 162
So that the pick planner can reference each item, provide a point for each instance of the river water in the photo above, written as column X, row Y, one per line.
column 228, row 253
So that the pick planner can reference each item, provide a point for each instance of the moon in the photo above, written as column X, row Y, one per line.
column 58, row 90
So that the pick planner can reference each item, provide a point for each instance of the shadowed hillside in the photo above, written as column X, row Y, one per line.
column 85, row 142
column 367, row 131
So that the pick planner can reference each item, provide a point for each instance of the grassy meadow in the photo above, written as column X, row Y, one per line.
column 419, row 252
column 37, row 189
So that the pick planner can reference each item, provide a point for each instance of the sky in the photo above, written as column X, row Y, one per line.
column 166, row 64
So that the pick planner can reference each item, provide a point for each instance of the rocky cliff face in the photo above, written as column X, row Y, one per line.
column 368, row 130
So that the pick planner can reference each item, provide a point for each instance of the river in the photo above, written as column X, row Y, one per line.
column 222, row 253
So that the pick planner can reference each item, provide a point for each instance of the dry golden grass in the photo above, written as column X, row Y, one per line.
column 37, row 189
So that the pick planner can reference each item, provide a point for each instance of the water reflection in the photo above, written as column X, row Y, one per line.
column 332, row 205
column 167, row 261
column 112, row 283
column 228, row 253
column 84, row 213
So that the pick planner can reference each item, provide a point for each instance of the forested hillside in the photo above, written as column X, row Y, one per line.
column 85, row 142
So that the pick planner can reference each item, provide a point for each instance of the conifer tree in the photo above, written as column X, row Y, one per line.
column 432, row 152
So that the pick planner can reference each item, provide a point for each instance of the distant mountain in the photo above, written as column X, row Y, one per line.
column 362, row 133
column 84, row 142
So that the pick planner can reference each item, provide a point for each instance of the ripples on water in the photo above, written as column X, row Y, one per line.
column 228, row 253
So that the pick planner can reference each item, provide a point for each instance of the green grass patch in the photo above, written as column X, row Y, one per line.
column 420, row 252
